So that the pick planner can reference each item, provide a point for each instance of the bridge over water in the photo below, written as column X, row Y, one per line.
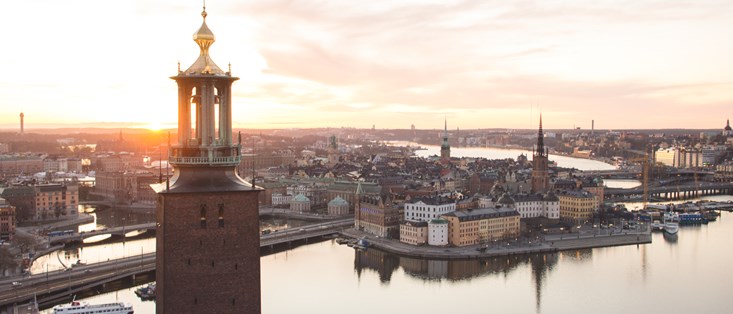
column 673, row 192
column 56, row 285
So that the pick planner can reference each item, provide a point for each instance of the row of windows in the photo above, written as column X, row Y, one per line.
column 203, row 216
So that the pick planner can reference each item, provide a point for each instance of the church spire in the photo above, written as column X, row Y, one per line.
column 540, row 141
column 445, row 146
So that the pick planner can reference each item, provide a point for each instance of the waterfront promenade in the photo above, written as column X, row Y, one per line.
column 551, row 243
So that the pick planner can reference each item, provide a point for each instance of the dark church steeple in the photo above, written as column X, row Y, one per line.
column 540, row 172
column 445, row 146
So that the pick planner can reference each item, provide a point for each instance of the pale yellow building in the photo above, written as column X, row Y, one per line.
column 478, row 226
column 414, row 232
column 577, row 206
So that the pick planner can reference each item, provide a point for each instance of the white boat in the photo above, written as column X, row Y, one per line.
column 671, row 227
column 671, row 216
column 76, row 307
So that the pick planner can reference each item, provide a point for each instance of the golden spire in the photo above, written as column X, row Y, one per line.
column 204, row 38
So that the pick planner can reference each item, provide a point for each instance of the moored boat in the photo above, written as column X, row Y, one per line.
column 76, row 307
column 146, row 292
column 691, row 219
column 671, row 227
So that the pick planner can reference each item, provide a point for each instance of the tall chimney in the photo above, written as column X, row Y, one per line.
column 21, row 122
column 592, row 126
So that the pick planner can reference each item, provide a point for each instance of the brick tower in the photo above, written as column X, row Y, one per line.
column 540, row 173
column 208, row 245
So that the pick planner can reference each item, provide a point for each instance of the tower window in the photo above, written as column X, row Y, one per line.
column 221, row 215
column 203, row 215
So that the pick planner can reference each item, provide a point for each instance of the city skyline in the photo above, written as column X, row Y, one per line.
column 340, row 64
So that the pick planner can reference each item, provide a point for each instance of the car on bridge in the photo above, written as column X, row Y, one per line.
column 16, row 284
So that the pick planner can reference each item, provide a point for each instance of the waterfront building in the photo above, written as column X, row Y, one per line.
column 208, row 237
column 23, row 198
column 540, row 172
column 270, row 190
column 710, row 154
column 577, row 206
column 414, row 232
column 338, row 206
column 280, row 199
column 14, row 165
column 56, row 201
column 666, row 156
column 680, row 157
column 481, row 225
column 316, row 193
column 438, row 232
column 724, row 172
column 74, row 165
column 116, row 162
column 445, row 146
column 377, row 215
column 4, row 148
column 55, row 164
column 596, row 187
column 347, row 190
column 537, row 205
column 428, row 208
column 300, row 204
column 527, row 205
column 109, row 185
column 7, row 220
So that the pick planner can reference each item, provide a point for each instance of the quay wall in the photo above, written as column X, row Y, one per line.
column 567, row 242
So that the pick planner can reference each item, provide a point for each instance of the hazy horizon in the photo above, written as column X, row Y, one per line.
column 391, row 64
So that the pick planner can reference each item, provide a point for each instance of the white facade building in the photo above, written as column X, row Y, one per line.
column 438, row 232
column 281, row 199
column 426, row 209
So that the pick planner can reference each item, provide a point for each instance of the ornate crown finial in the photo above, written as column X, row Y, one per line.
column 203, row 13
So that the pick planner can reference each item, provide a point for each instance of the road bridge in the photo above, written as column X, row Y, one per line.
column 59, row 284
column 673, row 192
column 126, row 229
column 115, row 231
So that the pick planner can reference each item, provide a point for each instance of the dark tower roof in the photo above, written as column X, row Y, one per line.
column 727, row 125
column 540, row 151
column 445, row 144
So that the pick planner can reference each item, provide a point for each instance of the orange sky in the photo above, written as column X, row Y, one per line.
column 481, row 64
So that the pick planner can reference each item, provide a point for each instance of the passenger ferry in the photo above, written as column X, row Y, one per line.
column 76, row 307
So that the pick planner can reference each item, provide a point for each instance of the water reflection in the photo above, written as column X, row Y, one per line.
column 385, row 264
column 669, row 238
column 108, row 217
